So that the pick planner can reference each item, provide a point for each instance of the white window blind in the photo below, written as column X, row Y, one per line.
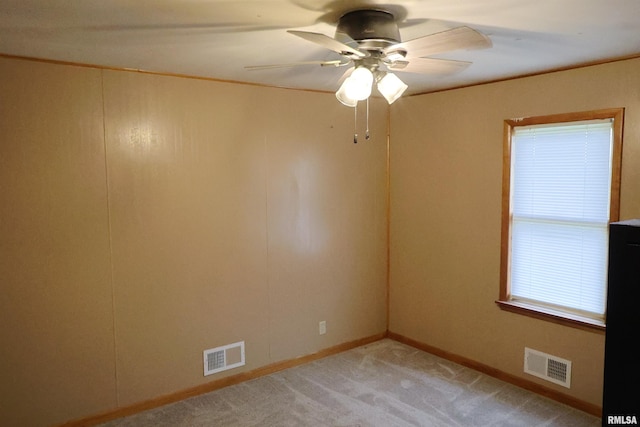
column 560, row 204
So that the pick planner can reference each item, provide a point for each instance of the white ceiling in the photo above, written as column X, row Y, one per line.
column 218, row 38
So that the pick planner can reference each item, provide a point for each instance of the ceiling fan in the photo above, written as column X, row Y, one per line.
column 369, row 41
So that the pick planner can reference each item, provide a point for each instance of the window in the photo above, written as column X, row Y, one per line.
column 561, row 184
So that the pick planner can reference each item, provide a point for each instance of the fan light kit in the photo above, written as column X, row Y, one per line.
column 369, row 40
column 357, row 87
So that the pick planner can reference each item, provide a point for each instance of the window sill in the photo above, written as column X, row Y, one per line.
column 548, row 314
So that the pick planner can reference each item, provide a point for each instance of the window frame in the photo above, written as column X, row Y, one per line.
column 531, row 309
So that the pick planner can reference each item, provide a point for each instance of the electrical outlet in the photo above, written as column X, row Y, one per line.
column 322, row 327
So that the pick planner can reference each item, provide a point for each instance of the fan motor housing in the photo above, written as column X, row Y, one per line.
column 372, row 29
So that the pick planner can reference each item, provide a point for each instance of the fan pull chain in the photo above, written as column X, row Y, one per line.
column 366, row 135
column 355, row 124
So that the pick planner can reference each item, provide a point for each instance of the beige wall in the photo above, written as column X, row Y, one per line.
column 144, row 219
column 147, row 218
column 446, row 171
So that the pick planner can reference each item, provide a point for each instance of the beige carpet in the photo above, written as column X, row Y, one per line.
column 383, row 384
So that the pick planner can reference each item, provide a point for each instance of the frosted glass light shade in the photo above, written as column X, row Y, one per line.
column 341, row 94
column 356, row 87
column 391, row 87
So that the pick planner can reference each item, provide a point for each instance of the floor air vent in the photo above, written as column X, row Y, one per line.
column 547, row 367
column 222, row 358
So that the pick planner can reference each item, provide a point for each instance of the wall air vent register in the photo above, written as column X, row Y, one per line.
column 547, row 367
column 223, row 358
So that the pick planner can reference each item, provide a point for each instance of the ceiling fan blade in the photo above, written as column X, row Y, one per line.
column 329, row 43
column 411, row 22
column 445, row 41
column 344, row 38
column 335, row 63
column 429, row 66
